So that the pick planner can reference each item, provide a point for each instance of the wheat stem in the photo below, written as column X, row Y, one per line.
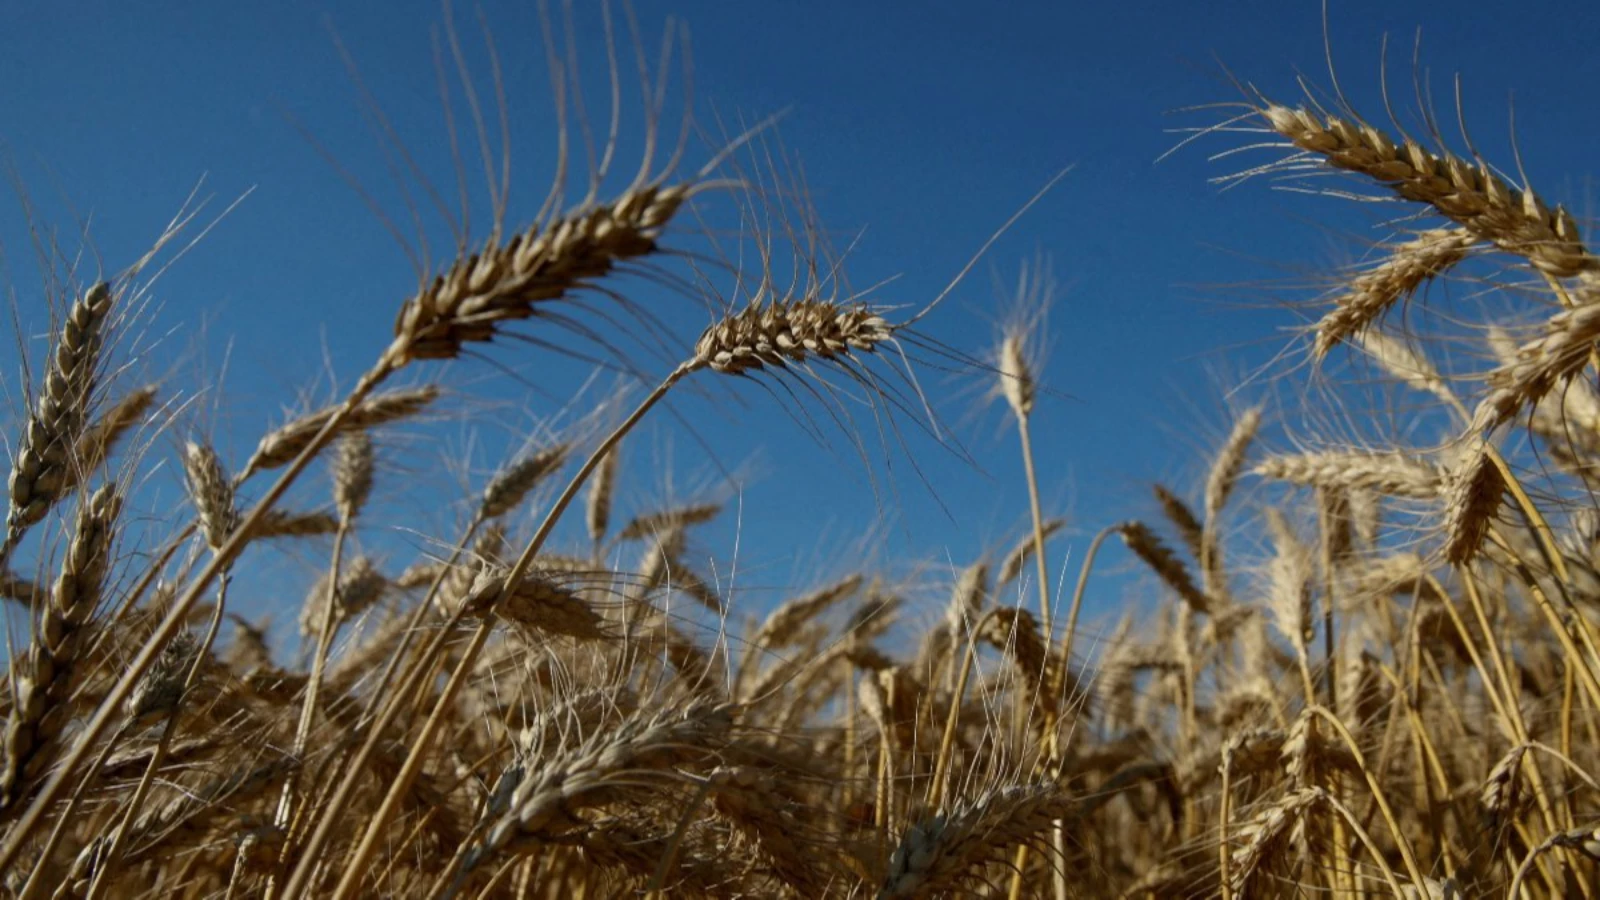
column 354, row 867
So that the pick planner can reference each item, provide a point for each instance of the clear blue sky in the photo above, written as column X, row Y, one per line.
column 926, row 124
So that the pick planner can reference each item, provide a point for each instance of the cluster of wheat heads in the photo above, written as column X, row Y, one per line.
column 1397, row 696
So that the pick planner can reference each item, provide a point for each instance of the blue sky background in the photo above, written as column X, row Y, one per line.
column 925, row 124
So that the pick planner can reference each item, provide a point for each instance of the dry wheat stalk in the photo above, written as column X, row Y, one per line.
column 1469, row 194
column 1372, row 293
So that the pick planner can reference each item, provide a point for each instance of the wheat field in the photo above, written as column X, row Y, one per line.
column 1362, row 667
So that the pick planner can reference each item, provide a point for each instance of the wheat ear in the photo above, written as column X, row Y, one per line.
column 1467, row 193
column 39, row 711
column 1409, row 266
column 1161, row 560
column 1389, row 472
column 40, row 470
